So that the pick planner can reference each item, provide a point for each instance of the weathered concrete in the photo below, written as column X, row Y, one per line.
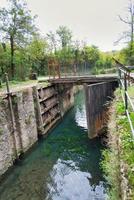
column 6, row 144
column 97, row 96
column 35, row 111
column 66, row 96
column 26, row 127
column 14, row 142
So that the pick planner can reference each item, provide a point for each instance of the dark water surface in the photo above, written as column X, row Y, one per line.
column 65, row 166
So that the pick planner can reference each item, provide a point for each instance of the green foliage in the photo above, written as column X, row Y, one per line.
column 23, row 51
column 4, row 59
column 16, row 27
column 92, row 55
column 37, row 53
column 65, row 36
column 51, row 37
column 111, row 173
column 94, row 71
column 128, row 154
column 16, row 22
column 120, row 153
column 126, row 56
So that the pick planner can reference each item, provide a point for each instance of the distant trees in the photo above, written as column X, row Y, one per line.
column 51, row 37
column 129, row 34
column 16, row 26
column 65, row 36
column 37, row 53
column 60, row 44
column 69, row 52
column 4, row 58
column 92, row 55
column 23, row 50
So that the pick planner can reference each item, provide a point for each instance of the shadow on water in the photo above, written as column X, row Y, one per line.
column 65, row 166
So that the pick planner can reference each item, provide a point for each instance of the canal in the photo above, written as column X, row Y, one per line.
column 65, row 166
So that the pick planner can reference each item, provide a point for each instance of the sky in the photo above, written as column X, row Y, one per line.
column 94, row 21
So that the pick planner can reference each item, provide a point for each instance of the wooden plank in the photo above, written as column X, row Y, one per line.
column 81, row 80
column 97, row 96
column 49, row 108
column 50, row 120
column 49, row 97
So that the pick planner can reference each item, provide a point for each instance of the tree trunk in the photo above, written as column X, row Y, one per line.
column 12, row 57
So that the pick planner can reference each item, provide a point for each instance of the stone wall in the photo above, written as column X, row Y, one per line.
column 19, row 133
column 35, row 111
column 6, row 140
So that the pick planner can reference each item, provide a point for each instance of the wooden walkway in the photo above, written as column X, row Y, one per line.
column 84, row 79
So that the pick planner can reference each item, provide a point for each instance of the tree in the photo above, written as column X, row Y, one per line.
column 51, row 37
column 37, row 51
column 16, row 26
column 129, row 35
column 92, row 55
column 4, row 59
column 65, row 36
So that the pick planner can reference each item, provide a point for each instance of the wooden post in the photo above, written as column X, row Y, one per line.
column 12, row 114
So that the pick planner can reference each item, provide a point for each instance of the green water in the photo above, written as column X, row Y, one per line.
column 65, row 166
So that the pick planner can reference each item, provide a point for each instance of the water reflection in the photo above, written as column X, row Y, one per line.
column 79, row 178
column 68, row 182
column 65, row 166
column 80, row 117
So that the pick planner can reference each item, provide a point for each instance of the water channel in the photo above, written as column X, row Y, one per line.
column 65, row 166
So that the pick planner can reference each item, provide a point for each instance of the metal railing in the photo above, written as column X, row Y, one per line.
column 125, row 80
column 57, row 70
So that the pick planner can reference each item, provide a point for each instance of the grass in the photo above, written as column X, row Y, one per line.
column 14, row 84
column 131, row 91
column 118, row 163
column 19, row 85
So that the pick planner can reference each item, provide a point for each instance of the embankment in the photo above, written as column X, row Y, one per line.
column 119, row 157
column 28, row 114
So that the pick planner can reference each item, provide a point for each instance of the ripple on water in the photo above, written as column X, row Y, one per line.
column 65, row 166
